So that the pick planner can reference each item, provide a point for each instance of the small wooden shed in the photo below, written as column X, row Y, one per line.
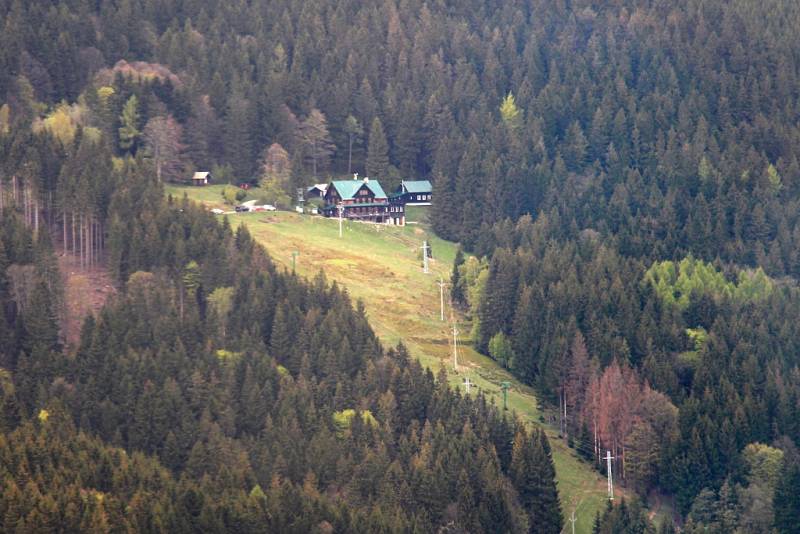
column 201, row 178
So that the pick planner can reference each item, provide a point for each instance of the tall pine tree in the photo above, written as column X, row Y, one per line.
column 377, row 151
column 786, row 501
column 533, row 474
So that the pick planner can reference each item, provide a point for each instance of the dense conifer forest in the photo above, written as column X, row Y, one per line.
column 214, row 394
column 623, row 177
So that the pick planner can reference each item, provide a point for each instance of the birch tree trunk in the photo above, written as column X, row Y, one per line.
column 87, row 229
column 350, row 156
column 82, row 243
column 72, row 228
column 623, row 461
column 314, row 149
column 87, row 236
column 64, row 231
column 25, row 204
column 36, row 216
column 180, row 299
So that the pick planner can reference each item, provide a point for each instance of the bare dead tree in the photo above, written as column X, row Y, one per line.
column 162, row 137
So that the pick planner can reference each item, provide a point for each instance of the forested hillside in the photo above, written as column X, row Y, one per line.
column 672, row 125
column 215, row 394
column 624, row 175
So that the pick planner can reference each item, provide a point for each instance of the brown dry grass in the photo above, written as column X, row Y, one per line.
column 85, row 291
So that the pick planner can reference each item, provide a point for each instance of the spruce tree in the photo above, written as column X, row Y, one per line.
column 533, row 475
column 496, row 310
column 786, row 501
column 456, row 287
column 377, row 151
column 6, row 347
column 129, row 125
column 446, row 214
column 354, row 131
column 280, row 344
column 548, row 516
column 238, row 136
column 4, row 263
column 41, row 322
column 469, row 196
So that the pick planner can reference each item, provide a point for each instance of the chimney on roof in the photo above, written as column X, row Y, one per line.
column 366, row 179
column 355, row 176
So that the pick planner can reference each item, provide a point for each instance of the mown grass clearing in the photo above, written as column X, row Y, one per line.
column 210, row 195
column 382, row 266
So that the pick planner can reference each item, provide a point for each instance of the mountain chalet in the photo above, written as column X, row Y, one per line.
column 363, row 200
column 416, row 192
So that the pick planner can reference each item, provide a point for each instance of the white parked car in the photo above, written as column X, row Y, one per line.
column 265, row 207
column 217, row 211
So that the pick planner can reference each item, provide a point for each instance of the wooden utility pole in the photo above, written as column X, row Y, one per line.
column 468, row 385
column 294, row 260
column 455, row 347
column 608, row 458
column 341, row 213
column 506, row 386
column 442, row 284
column 572, row 518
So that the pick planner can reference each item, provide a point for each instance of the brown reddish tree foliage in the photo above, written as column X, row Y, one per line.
column 629, row 419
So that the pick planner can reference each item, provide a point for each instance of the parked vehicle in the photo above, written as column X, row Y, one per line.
column 241, row 208
column 265, row 207
column 217, row 211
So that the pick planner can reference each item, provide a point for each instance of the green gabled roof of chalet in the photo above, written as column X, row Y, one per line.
column 348, row 188
column 366, row 205
column 353, row 206
column 417, row 186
